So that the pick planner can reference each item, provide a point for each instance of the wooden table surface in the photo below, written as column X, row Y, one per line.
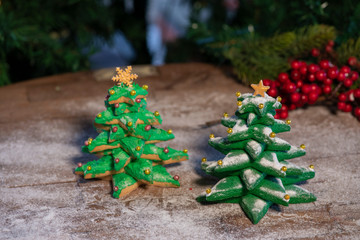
column 44, row 122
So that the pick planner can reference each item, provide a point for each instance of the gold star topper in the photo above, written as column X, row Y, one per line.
column 260, row 89
column 125, row 77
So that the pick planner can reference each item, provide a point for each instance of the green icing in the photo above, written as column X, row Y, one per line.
column 98, row 167
column 293, row 152
column 122, row 156
column 122, row 181
column 224, row 146
column 272, row 191
column 137, row 170
column 202, row 199
column 145, row 116
column 280, row 126
column 229, row 121
column 251, row 178
column 292, row 169
column 250, row 104
column 130, row 145
column 154, row 134
column 150, row 149
column 300, row 178
column 101, row 140
column 228, row 187
column 235, row 160
column 252, row 118
column 269, row 164
column 126, row 108
column 254, row 148
column 161, row 175
column 85, row 149
column 299, row 195
column 118, row 134
column 254, row 207
column 124, row 91
column 106, row 117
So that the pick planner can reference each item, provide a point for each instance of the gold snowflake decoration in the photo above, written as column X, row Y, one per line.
column 125, row 77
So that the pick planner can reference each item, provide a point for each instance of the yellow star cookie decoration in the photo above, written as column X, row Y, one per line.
column 125, row 77
column 260, row 89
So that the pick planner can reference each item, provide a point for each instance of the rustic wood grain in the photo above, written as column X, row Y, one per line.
column 45, row 121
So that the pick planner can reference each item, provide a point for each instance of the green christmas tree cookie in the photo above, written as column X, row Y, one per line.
column 254, row 172
column 126, row 141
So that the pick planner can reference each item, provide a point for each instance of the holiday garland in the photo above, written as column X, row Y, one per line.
column 254, row 172
column 126, row 141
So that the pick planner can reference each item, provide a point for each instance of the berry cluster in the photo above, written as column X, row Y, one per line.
column 305, row 83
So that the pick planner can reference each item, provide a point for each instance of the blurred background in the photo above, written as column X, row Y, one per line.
column 40, row 38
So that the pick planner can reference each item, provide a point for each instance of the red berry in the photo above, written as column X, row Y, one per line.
column 302, row 64
column 345, row 69
column 79, row 164
column 324, row 64
column 299, row 84
column 341, row 105
column 357, row 93
column 295, row 75
column 332, row 72
column 292, row 107
column 315, row 52
column 290, row 87
column 86, row 143
column 306, row 88
column 276, row 116
column 313, row 68
column 303, row 70
column 347, row 108
column 320, row 75
column 315, row 88
column 313, row 96
column 138, row 100
column 114, row 129
column 342, row 97
column 166, row 150
column 147, row 127
column 327, row 89
column 304, row 98
column 116, row 189
column 176, row 177
column 327, row 81
column 283, row 114
column 357, row 111
column 328, row 48
column 272, row 92
column 354, row 76
column 311, row 77
column 116, row 105
column 284, row 108
column 331, row 43
column 267, row 82
column 295, row 64
column 283, row 77
column 352, row 61
column 295, row 97
column 341, row 77
column 348, row 82
column 350, row 95
column 117, row 160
